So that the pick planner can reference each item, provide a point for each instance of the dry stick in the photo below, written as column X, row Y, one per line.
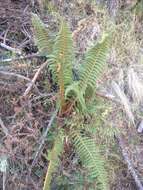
column 2, row 38
column 34, row 79
column 10, row 48
column 21, row 58
column 44, row 137
column 14, row 75
column 129, row 164
column 4, row 180
column 5, row 130
column 10, row 74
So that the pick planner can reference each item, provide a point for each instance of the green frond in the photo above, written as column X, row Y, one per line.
column 54, row 161
column 61, row 61
column 91, row 158
column 41, row 36
column 94, row 63
column 62, row 57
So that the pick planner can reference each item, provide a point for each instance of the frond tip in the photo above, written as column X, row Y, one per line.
column 54, row 161
column 41, row 36
column 91, row 158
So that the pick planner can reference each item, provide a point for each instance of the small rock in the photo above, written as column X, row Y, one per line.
column 140, row 127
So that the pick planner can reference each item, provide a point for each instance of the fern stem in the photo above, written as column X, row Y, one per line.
column 54, row 161
column 62, row 88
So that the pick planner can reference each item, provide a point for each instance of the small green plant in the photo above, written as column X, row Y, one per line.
column 75, row 99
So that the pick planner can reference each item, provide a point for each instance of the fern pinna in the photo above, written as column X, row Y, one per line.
column 90, row 156
column 60, row 56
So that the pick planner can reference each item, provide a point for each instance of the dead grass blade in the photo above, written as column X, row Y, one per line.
column 123, row 100
column 135, row 86
column 5, row 130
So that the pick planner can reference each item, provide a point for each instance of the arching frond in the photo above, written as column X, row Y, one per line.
column 41, row 36
column 54, row 161
column 94, row 63
column 91, row 158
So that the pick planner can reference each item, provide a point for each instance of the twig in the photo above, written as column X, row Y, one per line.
column 10, row 87
column 42, row 140
column 107, row 96
column 42, row 96
column 129, row 164
column 5, row 130
column 34, row 79
column 20, row 58
column 24, row 43
column 4, row 39
column 14, row 75
column 25, row 32
column 10, row 48
column 7, row 40
column 4, row 180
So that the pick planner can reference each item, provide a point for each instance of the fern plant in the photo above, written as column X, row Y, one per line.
column 73, row 98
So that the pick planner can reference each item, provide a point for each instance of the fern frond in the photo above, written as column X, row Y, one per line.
column 91, row 158
column 41, row 36
column 54, row 161
column 62, row 58
column 94, row 63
